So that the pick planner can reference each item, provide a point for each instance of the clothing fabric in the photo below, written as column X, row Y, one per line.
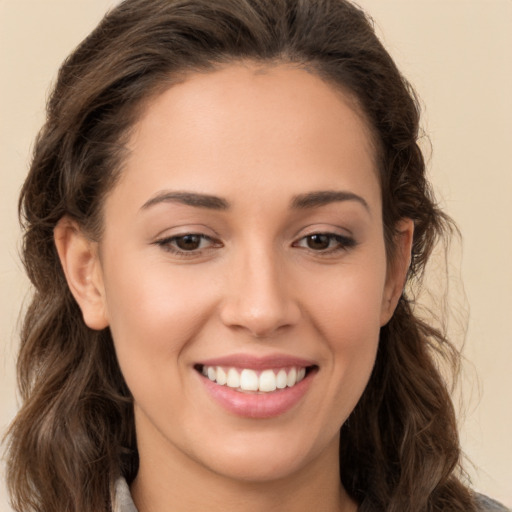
column 124, row 502
column 488, row 505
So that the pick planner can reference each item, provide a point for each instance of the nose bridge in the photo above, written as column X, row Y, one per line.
column 258, row 299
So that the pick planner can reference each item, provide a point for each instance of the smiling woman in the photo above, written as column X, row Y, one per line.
column 223, row 210
column 272, row 275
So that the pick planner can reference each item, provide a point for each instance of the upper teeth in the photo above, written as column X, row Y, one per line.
column 249, row 380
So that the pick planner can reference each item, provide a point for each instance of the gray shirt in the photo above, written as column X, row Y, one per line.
column 124, row 502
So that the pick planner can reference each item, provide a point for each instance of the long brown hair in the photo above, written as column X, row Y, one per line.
column 74, row 434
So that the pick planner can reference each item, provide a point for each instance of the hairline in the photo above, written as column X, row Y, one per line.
column 167, row 81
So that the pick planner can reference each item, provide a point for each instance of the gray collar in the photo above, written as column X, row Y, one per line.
column 123, row 500
column 124, row 503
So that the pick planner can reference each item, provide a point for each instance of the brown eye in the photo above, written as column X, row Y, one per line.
column 318, row 242
column 188, row 242
column 326, row 243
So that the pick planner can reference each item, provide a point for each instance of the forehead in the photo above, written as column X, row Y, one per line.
column 244, row 125
column 270, row 88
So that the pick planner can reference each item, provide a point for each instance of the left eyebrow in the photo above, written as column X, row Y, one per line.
column 324, row 197
column 189, row 199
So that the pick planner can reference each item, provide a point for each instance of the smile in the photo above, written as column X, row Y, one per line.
column 257, row 387
column 249, row 380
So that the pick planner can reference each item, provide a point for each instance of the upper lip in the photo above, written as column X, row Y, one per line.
column 257, row 362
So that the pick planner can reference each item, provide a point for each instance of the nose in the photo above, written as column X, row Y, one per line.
column 258, row 297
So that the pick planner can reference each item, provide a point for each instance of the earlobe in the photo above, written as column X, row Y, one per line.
column 81, row 265
column 398, row 268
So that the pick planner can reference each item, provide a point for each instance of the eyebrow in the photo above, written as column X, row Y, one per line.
column 189, row 199
column 300, row 202
column 324, row 197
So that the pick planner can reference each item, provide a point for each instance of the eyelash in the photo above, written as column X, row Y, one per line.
column 343, row 243
column 167, row 244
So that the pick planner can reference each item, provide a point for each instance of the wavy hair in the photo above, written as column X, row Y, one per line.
column 74, row 434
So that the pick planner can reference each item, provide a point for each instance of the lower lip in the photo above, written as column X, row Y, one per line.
column 258, row 405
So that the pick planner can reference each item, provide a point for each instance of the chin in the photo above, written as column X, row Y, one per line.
column 265, row 458
column 251, row 468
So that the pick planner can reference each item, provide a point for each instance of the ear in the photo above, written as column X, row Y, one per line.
column 398, row 268
column 80, row 261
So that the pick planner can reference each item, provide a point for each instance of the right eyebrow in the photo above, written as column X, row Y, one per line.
column 323, row 197
column 187, row 198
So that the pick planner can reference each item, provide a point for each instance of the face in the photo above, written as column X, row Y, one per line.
column 242, row 272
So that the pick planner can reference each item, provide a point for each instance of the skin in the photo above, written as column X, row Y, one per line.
column 257, row 138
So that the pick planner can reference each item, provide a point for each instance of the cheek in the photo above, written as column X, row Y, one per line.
column 348, row 303
column 153, row 318
column 153, row 312
column 347, row 311
column 352, row 333
column 344, row 313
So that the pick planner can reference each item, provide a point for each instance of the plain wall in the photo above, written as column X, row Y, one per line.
column 458, row 55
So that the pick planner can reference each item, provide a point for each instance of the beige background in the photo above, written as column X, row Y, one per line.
column 458, row 54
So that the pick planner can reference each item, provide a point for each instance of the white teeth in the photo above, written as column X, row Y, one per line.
column 212, row 373
column 233, row 379
column 222, row 378
column 268, row 381
column 291, row 380
column 249, row 380
column 281, row 379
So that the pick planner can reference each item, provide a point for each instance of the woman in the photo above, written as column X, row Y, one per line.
column 223, row 209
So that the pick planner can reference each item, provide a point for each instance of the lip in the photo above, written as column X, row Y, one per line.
column 258, row 405
column 257, row 363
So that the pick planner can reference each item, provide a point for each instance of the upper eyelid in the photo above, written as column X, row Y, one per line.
column 346, row 238
column 170, row 238
column 316, row 229
column 331, row 224
column 187, row 229
column 181, row 235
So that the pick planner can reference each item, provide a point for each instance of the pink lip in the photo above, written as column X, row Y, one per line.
column 257, row 405
column 258, row 363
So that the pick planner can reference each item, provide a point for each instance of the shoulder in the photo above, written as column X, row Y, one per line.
column 486, row 504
